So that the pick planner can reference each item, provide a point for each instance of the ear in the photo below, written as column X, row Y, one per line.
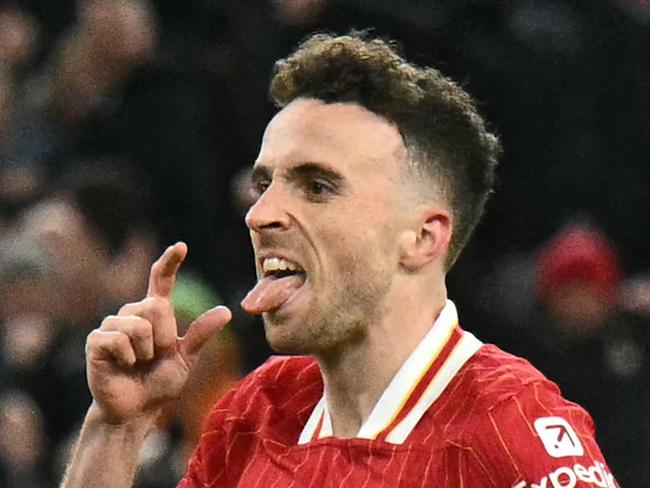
column 428, row 240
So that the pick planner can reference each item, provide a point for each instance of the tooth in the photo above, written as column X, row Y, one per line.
column 270, row 264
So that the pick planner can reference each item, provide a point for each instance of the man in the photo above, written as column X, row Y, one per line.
column 370, row 180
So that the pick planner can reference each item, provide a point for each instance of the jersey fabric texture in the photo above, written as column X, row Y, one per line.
column 457, row 414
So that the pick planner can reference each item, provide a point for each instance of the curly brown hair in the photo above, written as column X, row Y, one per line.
column 444, row 135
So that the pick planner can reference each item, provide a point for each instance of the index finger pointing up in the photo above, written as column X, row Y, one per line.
column 163, row 272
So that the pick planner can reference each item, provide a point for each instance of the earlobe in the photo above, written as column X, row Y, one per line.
column 428, row 244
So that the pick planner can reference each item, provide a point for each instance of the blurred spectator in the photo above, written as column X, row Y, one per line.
column 27, row 296
column 96, row 224
column 299, row 12
column 22, row 446
column 78, row 255
column 27, row 278
column 597, row 353
column 75, row 256
column 635, row 295
column 110, row 39
column 110, row 88
column 19, row 36
column 19, row 39
column 179, row 89
column 27, row 304
column 578, row 278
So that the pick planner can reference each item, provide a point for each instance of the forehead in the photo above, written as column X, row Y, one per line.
column 344, row 135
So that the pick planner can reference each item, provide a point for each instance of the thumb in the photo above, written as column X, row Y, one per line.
column 202, row 329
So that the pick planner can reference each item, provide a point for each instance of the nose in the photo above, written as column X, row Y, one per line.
column 269, row 212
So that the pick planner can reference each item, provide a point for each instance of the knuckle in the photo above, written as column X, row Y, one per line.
column 142, row 329
column 96, row 341
column 122, row 341
column 92, row 338
column 109, row 323
column 127, row 309
column 150, row 302
column 158, row 305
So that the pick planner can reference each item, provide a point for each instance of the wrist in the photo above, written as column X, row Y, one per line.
column 138, row 426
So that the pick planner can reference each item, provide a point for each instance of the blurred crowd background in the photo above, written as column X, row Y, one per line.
column 126, row 125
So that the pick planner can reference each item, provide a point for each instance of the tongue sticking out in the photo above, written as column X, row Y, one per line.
column 270, row 293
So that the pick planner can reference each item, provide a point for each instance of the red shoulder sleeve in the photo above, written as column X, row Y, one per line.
column 534, row 438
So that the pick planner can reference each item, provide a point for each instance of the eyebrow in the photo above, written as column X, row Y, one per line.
column 300, row 171
column 315, row 170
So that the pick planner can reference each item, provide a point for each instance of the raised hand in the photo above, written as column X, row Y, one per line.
column 135, row 360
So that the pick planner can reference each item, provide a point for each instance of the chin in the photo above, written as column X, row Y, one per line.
column 283, row 335
column 286, row 344
column 292, row 335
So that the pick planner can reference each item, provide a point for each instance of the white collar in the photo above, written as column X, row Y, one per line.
column 417, row 384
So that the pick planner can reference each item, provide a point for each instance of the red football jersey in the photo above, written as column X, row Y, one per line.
column 457, row 414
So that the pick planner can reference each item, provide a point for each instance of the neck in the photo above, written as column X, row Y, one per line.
column 355, row 375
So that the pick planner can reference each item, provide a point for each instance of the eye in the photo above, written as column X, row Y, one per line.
column 259, row 187
column 318, row 188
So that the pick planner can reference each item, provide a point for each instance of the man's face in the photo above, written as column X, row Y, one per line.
column 331, row 207
column 61, row 229
column 80, row 260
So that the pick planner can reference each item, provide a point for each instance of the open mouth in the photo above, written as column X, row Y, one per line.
column 281, row 279
column 277, row 268
column 286, row 273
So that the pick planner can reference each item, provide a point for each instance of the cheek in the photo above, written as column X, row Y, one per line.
column 356, row 258
column 359, row 240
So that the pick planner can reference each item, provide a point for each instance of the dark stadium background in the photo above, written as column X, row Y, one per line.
column 126, row 125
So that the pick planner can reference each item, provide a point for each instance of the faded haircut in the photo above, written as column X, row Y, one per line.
column 446, row 138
